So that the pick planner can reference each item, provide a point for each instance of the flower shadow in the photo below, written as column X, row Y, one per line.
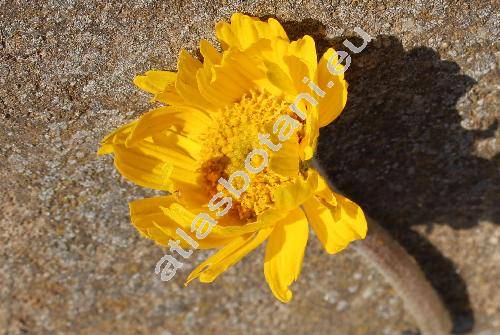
column 398, row 149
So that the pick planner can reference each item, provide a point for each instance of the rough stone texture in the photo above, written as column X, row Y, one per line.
column 416, row 146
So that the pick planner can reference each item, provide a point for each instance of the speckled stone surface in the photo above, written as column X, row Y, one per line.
column 417, row 146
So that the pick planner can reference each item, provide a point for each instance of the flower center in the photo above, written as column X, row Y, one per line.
column 232, row 135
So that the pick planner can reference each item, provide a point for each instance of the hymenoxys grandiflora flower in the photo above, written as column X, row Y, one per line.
column 215, row 113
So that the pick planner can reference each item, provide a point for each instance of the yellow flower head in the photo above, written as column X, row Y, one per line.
column 232, row 145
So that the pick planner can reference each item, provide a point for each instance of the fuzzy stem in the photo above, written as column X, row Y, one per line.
column 405, row 276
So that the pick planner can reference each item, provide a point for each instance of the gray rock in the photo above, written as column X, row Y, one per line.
column 423, row 98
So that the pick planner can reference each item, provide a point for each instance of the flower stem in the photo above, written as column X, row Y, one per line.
column 403, row 274
column 407, row 279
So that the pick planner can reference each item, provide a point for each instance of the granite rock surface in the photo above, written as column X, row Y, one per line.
column 417, row 147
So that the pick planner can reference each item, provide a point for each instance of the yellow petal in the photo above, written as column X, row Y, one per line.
column 155, row 81
column 150, row 162
column 224, row 83
column 145, row 213
column 169, row 154
column 244, row 31
column 231, row 228
column 265, row 220
column 245, row 65
column 230, row 254
column 117, row 136
column 284, row 254
column 332, row 104
column 151, row 158
column 185, row 175
column 142, row 169
column 274, row 29
column 145, row 170
column 210, row 92
column 350, row 214
column 184, row 120
column 235, row 75
column 161, row 84
column 186, row 83
column 305, row 50
column 286, row 160
column 209, row 52
column 280, row 78
column 179, row 143
column 293, row 194
column 297, row 70
column 336, row 220
column 151, row 214
column 321, row 219
column 311, row 134
column 324, row 192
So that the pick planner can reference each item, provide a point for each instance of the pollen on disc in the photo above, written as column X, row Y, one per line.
column 232, row 135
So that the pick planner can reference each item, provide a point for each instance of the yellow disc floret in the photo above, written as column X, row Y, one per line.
column 228, row 140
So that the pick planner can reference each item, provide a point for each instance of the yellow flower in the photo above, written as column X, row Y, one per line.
column 214, row 114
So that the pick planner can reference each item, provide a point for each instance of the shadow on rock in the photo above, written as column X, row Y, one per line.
column 399, row 150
